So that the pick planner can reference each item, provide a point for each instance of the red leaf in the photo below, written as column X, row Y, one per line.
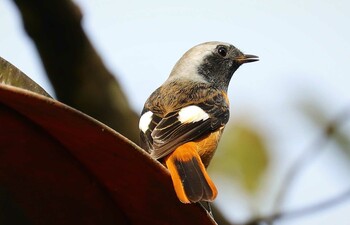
column 59, row 166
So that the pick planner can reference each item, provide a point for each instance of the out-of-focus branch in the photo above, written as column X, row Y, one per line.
column 309, row 155
column 302, row 211
column 300, row 163
column 77, row 73
column 304, row 160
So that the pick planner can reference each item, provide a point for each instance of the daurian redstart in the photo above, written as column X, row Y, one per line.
column 183, row 119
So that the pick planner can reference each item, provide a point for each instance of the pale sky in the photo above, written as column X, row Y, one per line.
column 304, row 50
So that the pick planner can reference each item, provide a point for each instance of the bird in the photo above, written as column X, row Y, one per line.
column 182, row 120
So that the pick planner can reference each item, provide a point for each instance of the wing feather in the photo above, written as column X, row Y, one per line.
column 166, row 133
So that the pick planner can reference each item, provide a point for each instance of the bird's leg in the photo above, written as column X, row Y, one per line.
column 206, row 205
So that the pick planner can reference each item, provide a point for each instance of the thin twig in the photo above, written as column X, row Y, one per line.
column 302, row 211
column 309, row 155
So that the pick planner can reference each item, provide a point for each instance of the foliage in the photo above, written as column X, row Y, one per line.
column 242, row 156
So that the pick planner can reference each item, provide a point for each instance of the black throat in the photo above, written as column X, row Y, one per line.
column 218, row 71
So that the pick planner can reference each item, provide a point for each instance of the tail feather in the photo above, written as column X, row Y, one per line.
column 190, row 178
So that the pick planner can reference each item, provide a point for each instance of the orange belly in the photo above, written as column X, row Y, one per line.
column 207, row 145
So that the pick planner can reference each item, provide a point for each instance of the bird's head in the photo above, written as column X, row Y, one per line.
column 211, row 62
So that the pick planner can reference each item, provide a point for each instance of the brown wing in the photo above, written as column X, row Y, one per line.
column 167, row 133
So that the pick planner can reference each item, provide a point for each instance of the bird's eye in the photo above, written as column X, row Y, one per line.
column 222, row 51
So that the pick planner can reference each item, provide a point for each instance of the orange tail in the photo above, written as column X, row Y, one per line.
column 191, row 181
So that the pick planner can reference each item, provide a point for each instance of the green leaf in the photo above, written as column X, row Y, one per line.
column 242, row 157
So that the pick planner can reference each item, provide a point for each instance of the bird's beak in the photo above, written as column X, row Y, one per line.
column 246, row 58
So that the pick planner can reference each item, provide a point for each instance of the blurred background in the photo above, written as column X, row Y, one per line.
column 279, row 105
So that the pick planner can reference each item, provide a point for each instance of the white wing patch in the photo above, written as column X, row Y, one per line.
column 191, row 114
column 145, row 120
